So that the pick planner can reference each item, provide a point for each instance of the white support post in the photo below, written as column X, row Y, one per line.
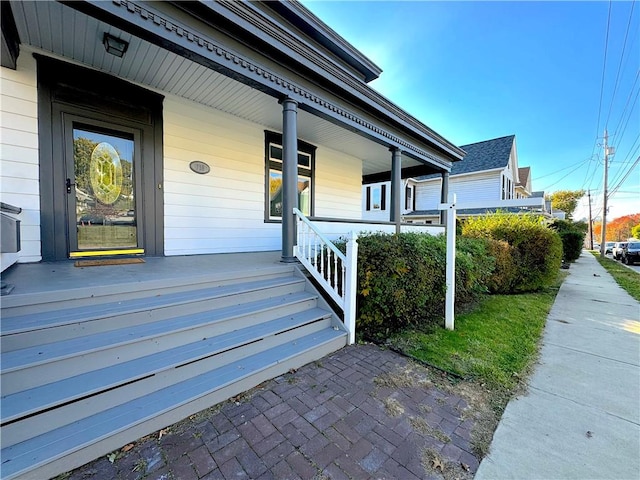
column 450, row 207
column 350, row 287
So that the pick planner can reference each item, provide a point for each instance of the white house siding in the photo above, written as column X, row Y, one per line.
column 376, row 215
column 223, row 211
column 474, row 188
column 384, row 215
column 428, row 194
column 19, row 171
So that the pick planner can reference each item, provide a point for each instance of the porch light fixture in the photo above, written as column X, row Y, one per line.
column 114, row 46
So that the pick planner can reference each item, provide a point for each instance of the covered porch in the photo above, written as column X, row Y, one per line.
column 232, row 112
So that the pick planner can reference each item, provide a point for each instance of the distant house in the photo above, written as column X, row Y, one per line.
column 523, row 187
column 486, row 180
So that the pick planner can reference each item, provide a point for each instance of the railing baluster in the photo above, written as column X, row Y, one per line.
column 329, row 266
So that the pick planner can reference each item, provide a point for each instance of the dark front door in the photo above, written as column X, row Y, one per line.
column 101, row 183
column 103, row 164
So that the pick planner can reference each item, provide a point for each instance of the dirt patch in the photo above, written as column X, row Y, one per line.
column 393, row 407
column 435, row 464
column 409, row 376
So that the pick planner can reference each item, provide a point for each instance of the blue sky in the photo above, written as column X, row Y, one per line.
column 479, row 70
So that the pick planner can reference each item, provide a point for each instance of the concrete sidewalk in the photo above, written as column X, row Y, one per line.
column 580, row 418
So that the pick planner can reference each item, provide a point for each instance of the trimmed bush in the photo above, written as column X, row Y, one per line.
column 401, row 280
column 539, row 249
column 505, row 271
column 572, row 235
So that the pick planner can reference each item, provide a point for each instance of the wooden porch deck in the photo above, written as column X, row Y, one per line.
column 49, row 277
column 95, row 357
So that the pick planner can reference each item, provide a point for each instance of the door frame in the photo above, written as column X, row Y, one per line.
column 62, row 91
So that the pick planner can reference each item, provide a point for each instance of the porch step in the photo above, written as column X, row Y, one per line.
column 151, row 412
column 81, row 380
column 50, row 325
column 127, row 343
column 45, row 397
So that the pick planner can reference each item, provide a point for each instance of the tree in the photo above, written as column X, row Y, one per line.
column 565, row 200
column 619, row 229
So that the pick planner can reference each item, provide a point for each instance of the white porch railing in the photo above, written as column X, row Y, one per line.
column 335, row 271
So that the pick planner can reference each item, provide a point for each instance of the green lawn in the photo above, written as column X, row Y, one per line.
column 625, row 277
column 495, row 344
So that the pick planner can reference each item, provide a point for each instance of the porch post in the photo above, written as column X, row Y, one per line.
column 396, row 187
column 289, row 177
column 444, row 197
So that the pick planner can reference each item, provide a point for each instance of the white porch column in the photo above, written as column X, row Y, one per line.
column 396, row 187
column 289, row 177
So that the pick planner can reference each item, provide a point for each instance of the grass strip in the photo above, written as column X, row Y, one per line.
column 495, row 344
column 628, row 279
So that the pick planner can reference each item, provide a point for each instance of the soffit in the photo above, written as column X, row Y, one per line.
column 67, row 33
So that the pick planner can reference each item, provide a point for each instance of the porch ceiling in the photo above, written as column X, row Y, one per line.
column 75, row 36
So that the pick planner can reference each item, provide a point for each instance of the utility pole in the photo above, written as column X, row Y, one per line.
column 590, row 222
column 603, row 246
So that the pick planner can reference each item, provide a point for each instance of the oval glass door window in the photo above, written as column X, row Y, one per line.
column 106, row 173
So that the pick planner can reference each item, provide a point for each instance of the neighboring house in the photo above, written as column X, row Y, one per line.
column 376, row 200
column 523, row 187
column 488, row 174
column 168, row 129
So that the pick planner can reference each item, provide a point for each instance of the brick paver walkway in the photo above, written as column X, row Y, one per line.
column 362, row 412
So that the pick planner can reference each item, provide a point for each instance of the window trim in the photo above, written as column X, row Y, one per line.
column 383, row 198
column 274, row 138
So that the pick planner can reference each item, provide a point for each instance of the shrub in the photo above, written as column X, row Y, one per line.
column 474, row 268
column 505, row 271
column 401, row 280
column 572, row 235
column 538, row 248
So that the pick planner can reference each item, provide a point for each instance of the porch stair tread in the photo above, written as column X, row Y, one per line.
column 58, row 317
column 26, row 456
column 33, row 400
column 40, row 354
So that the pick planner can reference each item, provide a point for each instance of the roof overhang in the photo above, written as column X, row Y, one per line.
column 371, row 116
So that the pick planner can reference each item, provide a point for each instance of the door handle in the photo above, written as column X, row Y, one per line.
column 69, row 185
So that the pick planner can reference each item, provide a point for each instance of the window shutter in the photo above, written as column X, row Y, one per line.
column 368, row 198
column 383, row 197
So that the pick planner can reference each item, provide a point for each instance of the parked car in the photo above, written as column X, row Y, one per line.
column 631, row 253
column 616, row 252
column 608, row 247
column 596, row 246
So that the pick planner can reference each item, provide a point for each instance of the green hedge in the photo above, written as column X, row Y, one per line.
column 572, row 235
column 536, row 249
column 401, row 280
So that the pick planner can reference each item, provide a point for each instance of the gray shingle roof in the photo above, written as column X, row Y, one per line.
column 486, row 155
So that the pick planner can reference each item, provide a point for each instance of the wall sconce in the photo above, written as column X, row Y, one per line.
column 113, row 45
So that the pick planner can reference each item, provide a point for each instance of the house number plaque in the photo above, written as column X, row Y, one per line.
column 199, row 167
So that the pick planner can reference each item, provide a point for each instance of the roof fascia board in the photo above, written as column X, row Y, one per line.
column 149, row 24
column 459, row 175
column 9, row 39
column 325, row 36
column 406, row 173
column 250, row 19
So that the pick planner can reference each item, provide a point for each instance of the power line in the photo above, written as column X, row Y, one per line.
column 614, row 189
column 563, row 169
column 565, row 176
column 624, row 110
column 604, row 67
column 624, row 46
